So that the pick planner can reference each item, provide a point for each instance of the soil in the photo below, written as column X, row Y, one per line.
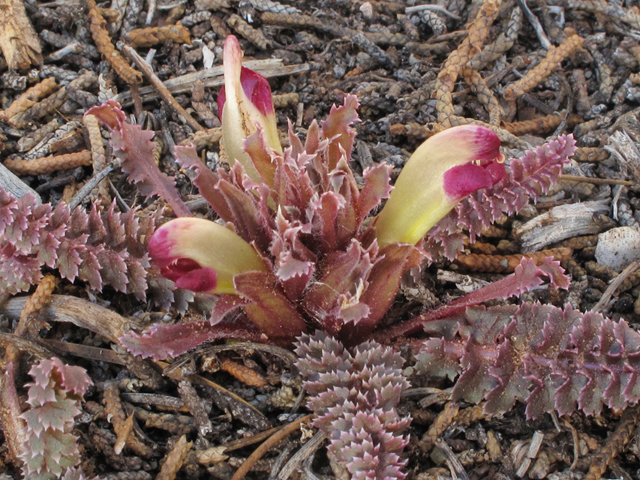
column 590, row 91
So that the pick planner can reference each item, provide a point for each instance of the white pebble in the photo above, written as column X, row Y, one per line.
column 618, row 247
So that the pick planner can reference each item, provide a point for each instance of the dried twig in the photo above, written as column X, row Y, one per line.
column 439, row 425
column 30, row 97
column 117, row 417
column 272, row 441
column 162, row 90
column 246, row 375
column 595, row 181
column 44, row 165
column 613, row 286
column 98, row 155
column 614, row 445
column 174, row 460
column 537, row 74
column 148, row 37
column 106, row 48
column 13, row 426
column 507, row 263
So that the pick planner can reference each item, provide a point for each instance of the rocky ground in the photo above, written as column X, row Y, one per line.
column 531, row 72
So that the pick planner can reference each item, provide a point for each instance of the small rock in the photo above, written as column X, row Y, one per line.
column 618, row 247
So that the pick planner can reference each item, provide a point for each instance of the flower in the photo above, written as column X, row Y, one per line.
column 201, row 255
column 245, row 106
column 442, row 171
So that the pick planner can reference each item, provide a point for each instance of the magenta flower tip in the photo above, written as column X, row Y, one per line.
column 487, row 145
column 160, row 247
column 256, row 88
column 188, row 274
column 460, row 181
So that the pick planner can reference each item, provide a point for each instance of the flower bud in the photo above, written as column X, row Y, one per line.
column 442, row 171
column 244, row 105
column 201, row 255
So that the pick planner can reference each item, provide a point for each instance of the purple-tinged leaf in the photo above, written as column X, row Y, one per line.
column 376, row 187
column 294, row 263
column 17, row 272
column 160, row 341
column 38, row 221
column 354, row 395
column 257, row 149
column 337, row 128
column 90, row 268
column 205, row 180
column 383, row 282
column 549, row 358
column 342, row 273
column 269, row 310
column 113, row 269
column 49, row 447
column 247, row 221
column 225, row 303
column 134, row 147
column 526, row 276
column 55, row 414
column 325, row 219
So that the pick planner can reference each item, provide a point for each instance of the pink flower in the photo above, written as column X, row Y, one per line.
column 441, row 172
column 245, row 106
column 201, row 255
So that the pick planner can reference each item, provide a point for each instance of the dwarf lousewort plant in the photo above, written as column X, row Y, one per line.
column 297, row 253
column 295, row 250
column 303, row 255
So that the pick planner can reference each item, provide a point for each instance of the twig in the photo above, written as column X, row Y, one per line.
column 569, row 109
column 535, row 23
column 159, row 86
column 437, row 428
column 66, row 308
column 457, row 470
column 90, row 185
column 262, row 449
column 11, row 422
column 301, row 455
column 615, row 284
column 621, row 436
column 595, row 181
column 45, row 165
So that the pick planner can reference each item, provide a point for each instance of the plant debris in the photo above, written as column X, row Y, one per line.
column 81, row 195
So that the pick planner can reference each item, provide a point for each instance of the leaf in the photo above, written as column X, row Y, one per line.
column 134, row 147
column 269, row 309
column 343, row 272
column 50, row 447
column 337, row 129
column 355, row 394
column 256, row 147
column 376, row 187
column 56, row 415
column 383, row 282
column 205, row 180
column 549, row 358
column 101, row 248
column 527, row 177
column 526, row 276
column 160, row 341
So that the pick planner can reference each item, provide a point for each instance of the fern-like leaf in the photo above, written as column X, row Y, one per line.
column 354, row 393
column 544, row 356
column 50, row 447
column 100, row 247
column 134, row 147
column 526, row 177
